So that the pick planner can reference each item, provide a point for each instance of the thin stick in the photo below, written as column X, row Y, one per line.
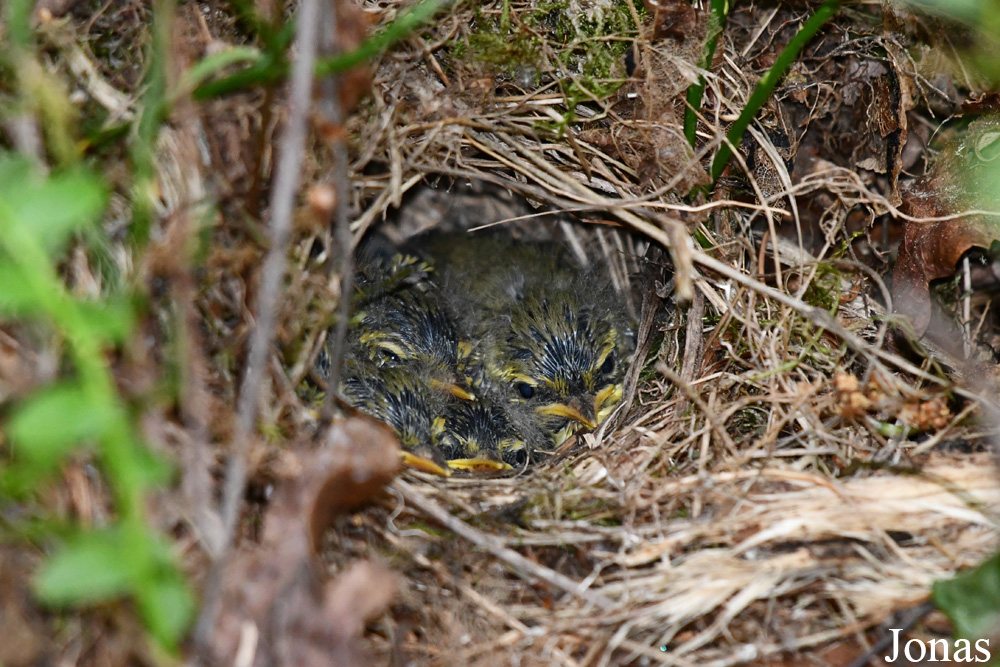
column 524, row 568
column 286, row 185
column 330, row 107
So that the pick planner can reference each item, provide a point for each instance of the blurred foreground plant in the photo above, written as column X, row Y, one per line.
column 39, row 214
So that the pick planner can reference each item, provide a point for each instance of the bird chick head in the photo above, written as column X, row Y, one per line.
column 405, row 404
column 563, row 360
column 382, row 269
column 412, row 329
column 479, row 435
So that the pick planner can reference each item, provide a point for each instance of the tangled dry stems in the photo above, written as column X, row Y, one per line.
column 711, row 518
column 712, row 513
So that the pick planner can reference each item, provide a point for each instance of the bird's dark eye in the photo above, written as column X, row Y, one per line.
column 525, row 389
column 609, row 364
column 519, row 457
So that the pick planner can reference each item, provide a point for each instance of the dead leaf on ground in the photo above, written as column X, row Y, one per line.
column 23, row 629
column 274, row 602
column 931, row 250
column 674, row 18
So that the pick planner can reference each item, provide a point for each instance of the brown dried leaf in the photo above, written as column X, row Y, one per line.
column 368, row 456
column 675, row 19
column 276, row 587
column 979, row 103
column 316, row 630
column 358, row 596
column 931, row 250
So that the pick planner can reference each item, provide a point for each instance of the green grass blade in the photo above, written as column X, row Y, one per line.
column 717, row 18
column 395, row 31
column 154, row 109
column 768, row 82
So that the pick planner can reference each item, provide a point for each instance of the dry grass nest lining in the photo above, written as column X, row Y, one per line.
column 708, row 518
column 779, row 560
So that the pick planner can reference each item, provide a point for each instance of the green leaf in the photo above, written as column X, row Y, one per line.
column 15, row 173
column 112, row 318
column 167, row 606
column 90, row 568
column 53, row 209
column 971, row 599
column 964, row 10
column 16, row 297
column 50, row 423
column 150, row 468
column 210, row 65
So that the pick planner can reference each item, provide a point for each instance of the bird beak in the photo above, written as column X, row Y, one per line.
column 421, row 463
column 452, row 389
column 478, row 465
column 611, row 394
column 567, row 411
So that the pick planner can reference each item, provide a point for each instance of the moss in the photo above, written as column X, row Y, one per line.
column 588, row 50
column 501, row 42
column 824, row 289
column 748, row 423
column 591, row 50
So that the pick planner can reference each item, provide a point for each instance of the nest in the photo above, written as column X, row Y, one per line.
column 780, row 479
column 747, row 502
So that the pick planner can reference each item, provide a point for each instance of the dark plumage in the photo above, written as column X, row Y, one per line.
column 560, row 359
column 480, row 435
column 402, row 323
column 405, row 404
column 477, row 351
column 552, row 340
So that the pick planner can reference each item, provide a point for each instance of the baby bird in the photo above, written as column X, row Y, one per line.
column 552, row 340
column 401, row 322
column 404, row 359
column 405, row 404
column 561, row 359
column 380, row 268
column 411, row 329
column 479, row 435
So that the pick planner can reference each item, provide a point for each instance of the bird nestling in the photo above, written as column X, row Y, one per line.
column 411, row 408
column 551, row 341
column 479, row 435
column 478, row 350
column 401, row 321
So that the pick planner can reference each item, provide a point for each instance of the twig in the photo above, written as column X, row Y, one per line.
column 524, row 568
column 692, row 364
column 286, row 186
column 330, row 107
column 905, row 620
